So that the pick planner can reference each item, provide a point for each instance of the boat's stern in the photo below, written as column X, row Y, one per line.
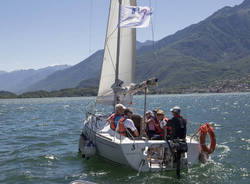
column 152, row 155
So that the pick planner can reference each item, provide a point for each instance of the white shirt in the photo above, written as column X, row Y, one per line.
column 128, row 123
column 163, row 123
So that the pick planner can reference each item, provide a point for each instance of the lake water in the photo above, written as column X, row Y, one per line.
column 39, row 141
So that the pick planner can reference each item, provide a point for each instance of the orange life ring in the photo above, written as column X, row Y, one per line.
column 203, row 130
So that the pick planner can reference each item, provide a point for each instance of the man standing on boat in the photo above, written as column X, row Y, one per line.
column 178, row 124
column 179, row 130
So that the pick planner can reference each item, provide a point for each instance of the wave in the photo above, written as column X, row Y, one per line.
column 224, row 151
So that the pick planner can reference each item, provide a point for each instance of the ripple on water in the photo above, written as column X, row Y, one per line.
column 42, row 124
column 81, row 182
column 66, row 106
column 244, row 172
column 215, row 108
column 248, row 141
column 21, row 109
column 28, row 175
column 245, row 146
column 51, row 157
column 222, row 151
column 215, row 124
column 215, row 170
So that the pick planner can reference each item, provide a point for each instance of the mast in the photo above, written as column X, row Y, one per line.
column 116, row 100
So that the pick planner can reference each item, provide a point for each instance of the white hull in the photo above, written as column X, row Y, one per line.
column 134, row 153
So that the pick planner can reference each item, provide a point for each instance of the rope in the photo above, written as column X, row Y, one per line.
column 140, row 167
column 196, row 134
column 152, row 27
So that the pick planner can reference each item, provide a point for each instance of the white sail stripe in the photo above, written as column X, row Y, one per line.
column 109, row 36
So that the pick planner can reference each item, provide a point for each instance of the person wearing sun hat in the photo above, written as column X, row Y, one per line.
column 161, row 125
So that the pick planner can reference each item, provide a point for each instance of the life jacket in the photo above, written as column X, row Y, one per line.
column 122, row 129
column 169, row 129
column 147, row 125
column 151, row 125
column 158, row 129
column 179, row 127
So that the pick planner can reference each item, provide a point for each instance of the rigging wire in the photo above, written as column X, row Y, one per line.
column 90, row 26
column 152, row 26
column 153, row 35
column 149, row 71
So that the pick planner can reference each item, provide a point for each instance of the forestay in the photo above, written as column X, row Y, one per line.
column 126, row 58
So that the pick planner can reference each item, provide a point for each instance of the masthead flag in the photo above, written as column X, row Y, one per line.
column 135, row 16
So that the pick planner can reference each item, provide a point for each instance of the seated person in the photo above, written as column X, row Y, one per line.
column 114, row 118
column 165, row 126
column 137, row 119
column 128, row 122
column 121, row 120
column 150, row 124
column 160, row 123
column 158, row 129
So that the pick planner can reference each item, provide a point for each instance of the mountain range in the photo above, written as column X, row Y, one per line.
column 17, row 81
column 210, row 56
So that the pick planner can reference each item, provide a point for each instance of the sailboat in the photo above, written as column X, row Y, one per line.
column 117, row 86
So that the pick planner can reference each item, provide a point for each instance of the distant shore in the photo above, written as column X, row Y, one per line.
column 84, row 92
column 71, row 92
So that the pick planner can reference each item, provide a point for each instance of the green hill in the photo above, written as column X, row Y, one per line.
column 6, row 94
column 214, row 51
column 70, row 92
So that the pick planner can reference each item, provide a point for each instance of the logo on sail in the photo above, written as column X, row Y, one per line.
column 135, row 16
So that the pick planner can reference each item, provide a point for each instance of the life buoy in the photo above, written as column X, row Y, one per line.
column 203, row 130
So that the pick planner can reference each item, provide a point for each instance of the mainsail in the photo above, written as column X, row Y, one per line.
column 126, row 57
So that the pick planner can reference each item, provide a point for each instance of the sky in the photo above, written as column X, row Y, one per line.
column 40, row 33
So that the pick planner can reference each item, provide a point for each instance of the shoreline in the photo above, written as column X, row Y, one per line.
column 149, row 94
